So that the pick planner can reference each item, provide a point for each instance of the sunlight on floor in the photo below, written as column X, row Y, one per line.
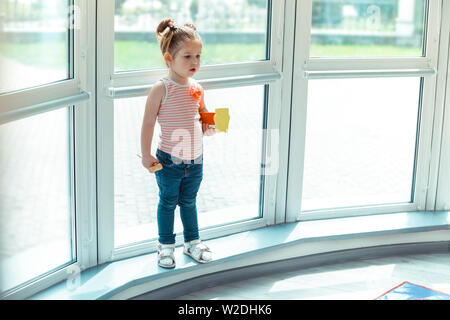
column 366, row 275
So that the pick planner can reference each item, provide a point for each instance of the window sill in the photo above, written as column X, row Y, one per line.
column 136, row 276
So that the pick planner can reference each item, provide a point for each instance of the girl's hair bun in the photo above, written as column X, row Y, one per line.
column 171, row 37
column 163, row 25
column 191, row 25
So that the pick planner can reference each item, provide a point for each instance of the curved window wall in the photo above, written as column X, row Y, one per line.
column 336, row 109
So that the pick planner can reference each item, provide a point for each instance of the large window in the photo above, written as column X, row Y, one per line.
column 229, row 192
column 360, row 144
column 368, row 28
column 232, row 31
column 363, row 110
column 337, row 109
column 36, row 211
column 35, row 43
column 41, row 108
column 237, row 49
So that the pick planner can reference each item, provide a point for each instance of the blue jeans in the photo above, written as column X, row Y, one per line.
column 178, row 182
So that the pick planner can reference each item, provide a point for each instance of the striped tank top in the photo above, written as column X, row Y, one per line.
column 181, row 130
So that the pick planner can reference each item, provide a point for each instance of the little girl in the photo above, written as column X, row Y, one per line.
column 175, row 101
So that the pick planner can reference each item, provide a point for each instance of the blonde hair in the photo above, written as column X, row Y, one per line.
column 171, row 36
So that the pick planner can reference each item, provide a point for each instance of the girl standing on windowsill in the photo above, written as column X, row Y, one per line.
column 175, row 101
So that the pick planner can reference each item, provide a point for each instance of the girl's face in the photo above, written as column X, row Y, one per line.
column 186, row 61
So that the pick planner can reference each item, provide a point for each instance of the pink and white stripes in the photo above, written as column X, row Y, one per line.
column 179, row 118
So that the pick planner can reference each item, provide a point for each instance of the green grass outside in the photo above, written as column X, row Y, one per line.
column 51, row 55
column 364, row 51
column 132, row 55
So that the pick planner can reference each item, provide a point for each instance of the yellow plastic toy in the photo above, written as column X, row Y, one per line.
column 222, row 119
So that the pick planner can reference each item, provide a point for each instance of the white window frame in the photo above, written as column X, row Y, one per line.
column 442, row 123
column 306, row 68
column 137, row 83
column 79, row 95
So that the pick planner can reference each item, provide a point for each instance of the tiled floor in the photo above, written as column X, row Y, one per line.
column 353, row 280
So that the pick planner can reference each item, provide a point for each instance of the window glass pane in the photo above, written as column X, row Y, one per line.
column 232, row 31
column 368, row 28
column 360, row 142
column 35, row 197
column 34, row 42
column 230, row 190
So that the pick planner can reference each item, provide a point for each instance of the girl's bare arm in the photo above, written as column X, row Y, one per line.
column 148, row 124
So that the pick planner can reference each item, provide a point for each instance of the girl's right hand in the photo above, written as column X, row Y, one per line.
column 148, row 161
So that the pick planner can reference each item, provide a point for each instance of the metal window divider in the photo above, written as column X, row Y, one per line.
column 218, row 83
column 31, row 110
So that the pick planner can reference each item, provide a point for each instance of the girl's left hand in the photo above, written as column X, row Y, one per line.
column 207, row 131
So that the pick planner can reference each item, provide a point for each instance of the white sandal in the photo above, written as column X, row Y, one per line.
column 198, row 251
column 166, row 258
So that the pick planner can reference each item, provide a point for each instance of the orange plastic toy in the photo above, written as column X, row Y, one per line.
column 208, row 117
column 219, row 120
column 155, row 167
